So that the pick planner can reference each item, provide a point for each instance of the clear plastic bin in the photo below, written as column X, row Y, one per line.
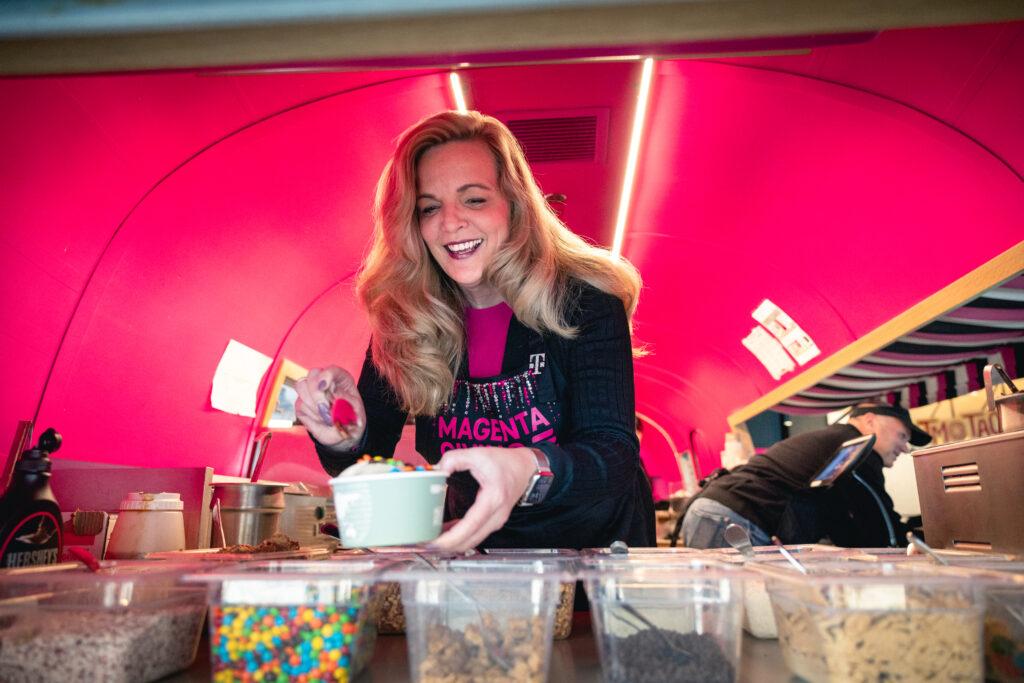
column 566, row 561
column 285, row 620
column 130, row 622
column 758, row 616
column 387, row 610
column 857, row 621
column 479, row 623
column 668, row 622
column 386, row 606
column 1003, row 633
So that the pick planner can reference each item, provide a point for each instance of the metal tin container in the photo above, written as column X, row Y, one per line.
column 251, row 512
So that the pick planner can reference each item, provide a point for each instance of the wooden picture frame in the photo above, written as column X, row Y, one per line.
column 280, row 407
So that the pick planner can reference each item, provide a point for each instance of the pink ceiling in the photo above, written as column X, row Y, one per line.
column 845, row 184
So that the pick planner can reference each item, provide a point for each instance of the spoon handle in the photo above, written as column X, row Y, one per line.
column 789, row 556
column 85, row 557
column 926, row 549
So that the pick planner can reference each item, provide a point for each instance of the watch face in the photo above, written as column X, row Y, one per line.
column 539, row 488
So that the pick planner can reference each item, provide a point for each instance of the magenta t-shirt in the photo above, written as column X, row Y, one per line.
column 486, row 332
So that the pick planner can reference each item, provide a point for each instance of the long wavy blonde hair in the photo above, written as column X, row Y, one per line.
column 416, row 310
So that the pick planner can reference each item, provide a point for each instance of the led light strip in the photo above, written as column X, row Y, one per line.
column 634, row 153
column 457, row 93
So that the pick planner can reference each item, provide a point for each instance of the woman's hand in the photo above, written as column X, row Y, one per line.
column 503, row 475
column 315, row 407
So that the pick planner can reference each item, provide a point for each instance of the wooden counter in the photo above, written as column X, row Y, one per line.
column 573, row 660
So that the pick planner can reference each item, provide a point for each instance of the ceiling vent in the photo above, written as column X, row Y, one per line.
column 557, row 138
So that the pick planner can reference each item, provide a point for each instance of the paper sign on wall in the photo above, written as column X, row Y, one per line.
column 236, row 382
column 797, row 342
column 769, row 351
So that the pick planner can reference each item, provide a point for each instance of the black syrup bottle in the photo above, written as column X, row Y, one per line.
column 30, row 517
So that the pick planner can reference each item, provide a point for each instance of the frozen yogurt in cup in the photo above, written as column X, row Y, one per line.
column 383, row 501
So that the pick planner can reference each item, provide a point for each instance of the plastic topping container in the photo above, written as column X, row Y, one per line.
column 554, row 559
column 1003, row 635
column 666, row 621
column 758, row 617
column 856, row 621
column 281, row 621
column 479, row 623
column 130, row 622
column 386, row 606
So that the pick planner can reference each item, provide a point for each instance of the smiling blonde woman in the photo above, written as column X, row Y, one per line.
column 506, row 335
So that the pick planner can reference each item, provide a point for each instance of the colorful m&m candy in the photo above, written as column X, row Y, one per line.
column 307, row 643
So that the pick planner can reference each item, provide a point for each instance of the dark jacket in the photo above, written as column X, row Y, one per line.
column 771, row 491
column 761, row 489
column 600, row 493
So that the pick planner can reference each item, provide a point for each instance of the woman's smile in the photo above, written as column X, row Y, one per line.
column 464, row 249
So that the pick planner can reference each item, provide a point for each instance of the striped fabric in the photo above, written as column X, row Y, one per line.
column 943, row 359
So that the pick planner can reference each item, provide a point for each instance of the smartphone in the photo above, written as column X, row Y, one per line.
column 850, row 454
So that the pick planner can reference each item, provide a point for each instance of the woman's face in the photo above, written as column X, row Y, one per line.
column 463, row 215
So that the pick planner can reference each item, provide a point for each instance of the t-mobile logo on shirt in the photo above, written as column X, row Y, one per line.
column 536, row 363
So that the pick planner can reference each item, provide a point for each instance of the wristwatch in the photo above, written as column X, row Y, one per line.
column 541, row 482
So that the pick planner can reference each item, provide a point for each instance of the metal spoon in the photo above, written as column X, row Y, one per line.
column 789, row 556
column 926, row 549
column 738, row 538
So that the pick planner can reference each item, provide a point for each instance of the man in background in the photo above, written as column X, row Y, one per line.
column 855, row 512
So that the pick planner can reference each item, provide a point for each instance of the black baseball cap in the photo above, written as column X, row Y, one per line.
column 918, row 437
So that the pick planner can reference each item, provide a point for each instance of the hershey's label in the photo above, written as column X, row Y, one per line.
column 36, row 540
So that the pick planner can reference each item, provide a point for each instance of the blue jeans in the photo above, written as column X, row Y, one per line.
column 705, row 522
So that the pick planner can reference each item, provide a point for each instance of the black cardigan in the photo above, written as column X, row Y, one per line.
column 600, row 493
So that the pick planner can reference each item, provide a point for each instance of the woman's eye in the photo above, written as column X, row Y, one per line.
column 476, row 201
column 428, row 210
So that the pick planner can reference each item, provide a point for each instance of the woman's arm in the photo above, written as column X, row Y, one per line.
column 598, row 454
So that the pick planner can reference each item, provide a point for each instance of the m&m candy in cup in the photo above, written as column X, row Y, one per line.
column 283, row 624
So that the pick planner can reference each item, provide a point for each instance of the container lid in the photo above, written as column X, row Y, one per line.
column 116, row 580
column 137, row 500
column 545, row 552
column 291, row 582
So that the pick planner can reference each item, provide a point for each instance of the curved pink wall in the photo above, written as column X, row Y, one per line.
column 243, row 214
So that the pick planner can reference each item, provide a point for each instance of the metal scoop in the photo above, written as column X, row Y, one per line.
column 926, row 549
column 738, row 538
